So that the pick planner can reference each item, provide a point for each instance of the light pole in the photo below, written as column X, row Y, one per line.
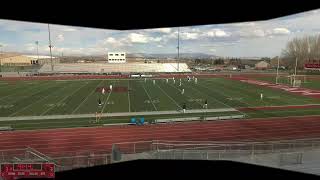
column 37, row 43
column 1, row 58
column 50, row 46
column 295, row 69
column 278, row 70
column 178, row 46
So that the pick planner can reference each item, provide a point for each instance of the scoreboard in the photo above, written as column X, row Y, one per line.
column 27, row 170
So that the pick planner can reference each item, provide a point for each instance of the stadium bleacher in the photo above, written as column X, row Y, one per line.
column 115, row 68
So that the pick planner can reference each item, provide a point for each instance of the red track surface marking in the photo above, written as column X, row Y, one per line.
column 295, row 90
column 59, row 142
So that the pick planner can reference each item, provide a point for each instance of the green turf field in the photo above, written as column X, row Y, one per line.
column 79, row 97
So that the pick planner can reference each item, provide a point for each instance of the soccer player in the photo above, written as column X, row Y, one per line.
column 182, row 92
column 154, row 81
column 205, row 106
column 184, row 107
column 174, row 81
column 188, row 79
column 99, row 102
column 180, row 83
column 261, row 96
column 196, row 80
column 110, row 87
column 103, row 91
column 167, row 80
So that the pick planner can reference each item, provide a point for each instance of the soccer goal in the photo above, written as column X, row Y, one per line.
column 293, row 80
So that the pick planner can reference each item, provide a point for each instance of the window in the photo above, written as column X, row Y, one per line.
column 116, row 54
column 110, row 54
column 122, row 54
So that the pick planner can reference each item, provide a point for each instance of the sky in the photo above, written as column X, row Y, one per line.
column 247, row 39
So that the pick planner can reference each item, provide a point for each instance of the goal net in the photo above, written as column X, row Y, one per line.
column 293, row 80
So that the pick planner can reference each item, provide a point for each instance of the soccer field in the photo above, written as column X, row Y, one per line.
column 80, row 97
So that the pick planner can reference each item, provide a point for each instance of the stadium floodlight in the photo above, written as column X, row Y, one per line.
column 37, row 43
column 295, row 69
column 178, row 47
column 1, row 57
column 278, row 70
column 50, row 46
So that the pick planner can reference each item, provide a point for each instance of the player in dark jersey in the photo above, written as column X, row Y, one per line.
column 205, row 106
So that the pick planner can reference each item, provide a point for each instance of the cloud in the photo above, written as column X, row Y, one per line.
column 259, row 33
column 217, row 33
column 111, row 40
column 30, row 47
column 161, row 30
column 142, row 38
column 69, row 29
column 189, row 36
column 281, row 31
column 137, row 38
column 60, row 38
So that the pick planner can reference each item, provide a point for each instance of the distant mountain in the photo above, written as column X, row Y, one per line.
column 173, row 55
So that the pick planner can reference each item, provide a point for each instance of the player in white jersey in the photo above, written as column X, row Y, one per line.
column 110, row 87
column 103, row 91
column 182, row 92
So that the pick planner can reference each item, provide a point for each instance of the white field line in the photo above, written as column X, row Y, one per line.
column 36, row 101
column 120, row 114
column 149, row 97
column 63, row 99
column 224, row 96
column 183, row 94
column 85, row 99
column 28, row 89
column 168, row 96
column 106, row 101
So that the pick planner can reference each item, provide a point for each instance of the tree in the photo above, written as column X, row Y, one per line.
column 305, row 49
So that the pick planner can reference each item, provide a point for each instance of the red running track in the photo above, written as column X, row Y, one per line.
column 307, row 106
column 57, row 142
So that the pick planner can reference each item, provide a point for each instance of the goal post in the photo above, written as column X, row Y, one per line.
column 293, row 80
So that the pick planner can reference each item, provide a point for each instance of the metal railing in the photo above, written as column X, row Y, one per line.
column 161, row 149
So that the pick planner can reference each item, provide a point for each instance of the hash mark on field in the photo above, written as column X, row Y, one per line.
column 36, row 102
column 86, row 98
column 20, row 91
column 25, row 97
column 227, row 96
column 222, row 102
column 185, row 95
column 168, row 96
column 63, row 99
column 129, row 98
column 149, row 97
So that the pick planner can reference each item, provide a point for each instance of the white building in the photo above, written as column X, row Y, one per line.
column 116, row 57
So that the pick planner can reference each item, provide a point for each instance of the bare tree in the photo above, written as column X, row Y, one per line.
column 305, row 49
